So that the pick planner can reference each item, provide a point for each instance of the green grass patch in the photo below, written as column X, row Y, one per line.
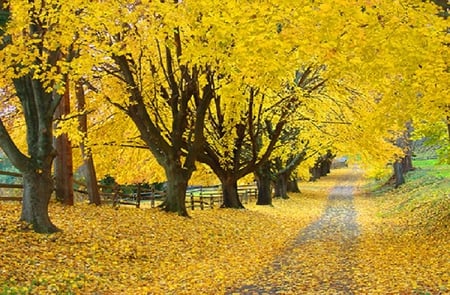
column 423, row 201
column 432, row 167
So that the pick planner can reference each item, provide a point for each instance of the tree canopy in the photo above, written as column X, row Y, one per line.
column 167, row 82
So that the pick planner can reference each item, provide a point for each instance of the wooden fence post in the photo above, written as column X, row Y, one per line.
column 116, row 189
column 152, row 196
column 138, row 197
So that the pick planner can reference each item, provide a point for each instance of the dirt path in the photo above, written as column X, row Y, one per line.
column 320, row 260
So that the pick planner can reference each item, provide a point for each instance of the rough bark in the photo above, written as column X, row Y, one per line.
column 263, row 181
column 36, row 169
column 177, row 182
column 38, row 187
column 230, row 193
column 247, row 155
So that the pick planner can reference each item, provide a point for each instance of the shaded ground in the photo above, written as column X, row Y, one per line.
column 320, row 260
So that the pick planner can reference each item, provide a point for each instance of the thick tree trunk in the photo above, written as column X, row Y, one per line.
column 38, row 187
column 281, row 185
column 315, row 172
column 230, row 193
column 398, row 173
column 177, row 182
column 293, row 186
column 263, row 181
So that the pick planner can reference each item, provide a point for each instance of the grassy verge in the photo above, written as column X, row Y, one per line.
column 405, row 240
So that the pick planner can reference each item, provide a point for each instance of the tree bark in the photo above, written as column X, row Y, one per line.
column 177, row 182
column 38, row 187
column 281, row 185
column 293, row 185
column 263, row 181
column 63, row 164
column 88, row 162
column 448, row 128
column 38, row 107
column 230, row 192
column 398, row 173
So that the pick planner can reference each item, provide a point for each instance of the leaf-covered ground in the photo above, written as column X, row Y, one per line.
column 323, row 241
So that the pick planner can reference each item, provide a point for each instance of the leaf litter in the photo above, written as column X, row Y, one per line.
column 320, row 241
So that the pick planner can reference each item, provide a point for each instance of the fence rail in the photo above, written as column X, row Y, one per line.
column 196, row 197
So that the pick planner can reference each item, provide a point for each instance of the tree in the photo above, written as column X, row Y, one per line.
column 63, row 164
column 86, row 153
column 165, row 100
column 245, row 152
column 32, row 57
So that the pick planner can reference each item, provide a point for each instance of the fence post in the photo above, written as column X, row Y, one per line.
column 152, row 196
column 192, row 201
column 138, row 197
column 116, row 195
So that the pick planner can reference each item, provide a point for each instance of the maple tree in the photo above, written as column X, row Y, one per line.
column 35, row 64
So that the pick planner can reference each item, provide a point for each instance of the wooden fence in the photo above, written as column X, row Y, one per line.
column 196, row 197
column 11, row 186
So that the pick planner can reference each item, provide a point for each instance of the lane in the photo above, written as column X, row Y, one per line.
column 320, row 260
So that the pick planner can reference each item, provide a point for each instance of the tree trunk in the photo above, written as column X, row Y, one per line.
column 177, row 182
column 281, row 184
column 448, row 127
column 398, row 173
column 293, row 186
column 88, row 161
column 91, row 178
column 315, row 172
column 38, row 187
column 230, row 193
column 263, row 181
column 63, row 163
column 407, row 163
column 63, row 171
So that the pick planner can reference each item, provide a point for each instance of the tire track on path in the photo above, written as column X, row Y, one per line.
column 320, row 260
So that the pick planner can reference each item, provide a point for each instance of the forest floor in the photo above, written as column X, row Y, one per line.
column 333, row 238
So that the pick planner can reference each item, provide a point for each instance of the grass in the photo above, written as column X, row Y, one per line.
column 432, row 167
column 404, row 245
column 426, row 192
